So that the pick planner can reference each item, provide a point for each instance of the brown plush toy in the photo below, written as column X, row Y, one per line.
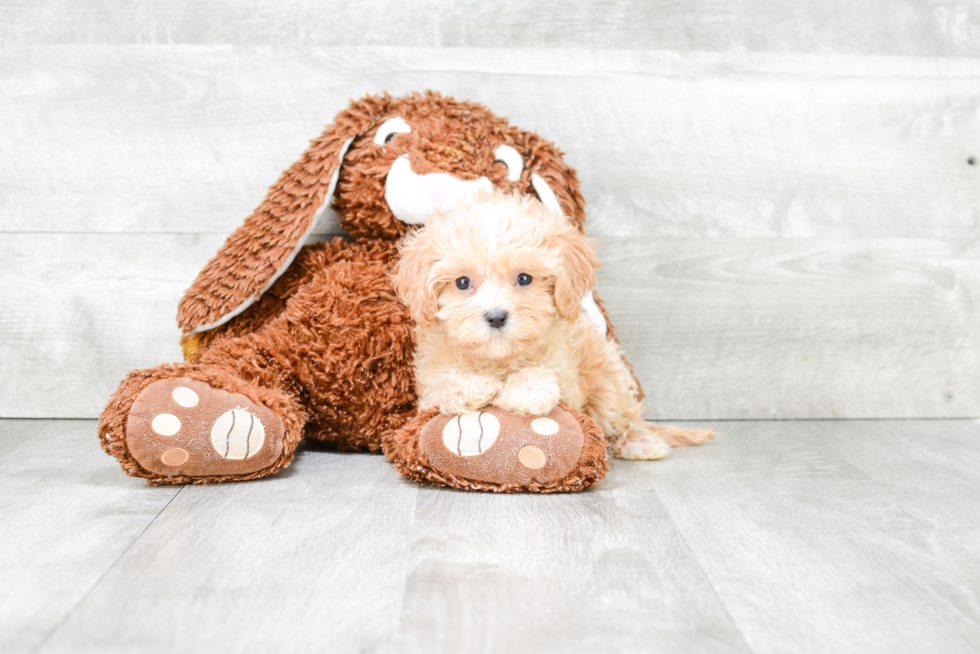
column 284, row 341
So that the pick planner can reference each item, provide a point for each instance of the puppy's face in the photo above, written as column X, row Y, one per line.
column 495, row 274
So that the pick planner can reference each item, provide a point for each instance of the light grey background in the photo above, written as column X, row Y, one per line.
column 780, row 192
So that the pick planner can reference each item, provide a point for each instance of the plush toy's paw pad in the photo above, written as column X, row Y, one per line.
column 470, row 434
column 496, row 447
column 184, row 427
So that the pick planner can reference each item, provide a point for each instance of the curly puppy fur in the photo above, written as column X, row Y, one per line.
column 495, row 289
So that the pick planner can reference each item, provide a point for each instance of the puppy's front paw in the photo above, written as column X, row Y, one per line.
column 469, row 393
column 530, row 393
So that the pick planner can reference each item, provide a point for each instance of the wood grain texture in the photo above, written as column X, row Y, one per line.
column 310, row 560
column 82, row 310
column 187, row 139
column 807, row 328
column 597, row 571
column 921, row 27
column 839, row 536
column 716, row 328
column 68, row 514
column 836, row 536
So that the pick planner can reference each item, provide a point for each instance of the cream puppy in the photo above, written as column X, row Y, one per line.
column 495, row 287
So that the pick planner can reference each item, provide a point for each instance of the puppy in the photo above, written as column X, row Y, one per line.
column 495, row 287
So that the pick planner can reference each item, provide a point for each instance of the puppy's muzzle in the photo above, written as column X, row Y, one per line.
column 496, row 318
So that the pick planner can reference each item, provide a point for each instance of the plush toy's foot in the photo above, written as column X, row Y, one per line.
column 492, row 450
column 179, row 430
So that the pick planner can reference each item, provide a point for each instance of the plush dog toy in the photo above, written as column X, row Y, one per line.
column 284, row 341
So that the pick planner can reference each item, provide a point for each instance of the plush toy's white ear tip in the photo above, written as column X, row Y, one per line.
column 592, row 312
column 512, row 159
column 545, row 194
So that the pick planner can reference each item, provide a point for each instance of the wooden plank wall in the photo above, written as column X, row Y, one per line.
column 783, row 197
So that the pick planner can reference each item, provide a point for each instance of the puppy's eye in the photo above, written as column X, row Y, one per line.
column 463, row 283
column 523, row 279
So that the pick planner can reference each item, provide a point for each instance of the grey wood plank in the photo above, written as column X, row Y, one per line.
column 923, row 27
column 716, row 328
column 809, row 553
column 310, row 560
column 798, row 328
column 68, row 514
column 781, row 536
column 929, row 469
column 599, row 571
column 81, row 311
column 127, row 138
column 15, row 432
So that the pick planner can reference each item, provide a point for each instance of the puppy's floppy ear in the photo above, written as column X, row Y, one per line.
column 576, row 275
column 411, row 277
column 259, row 251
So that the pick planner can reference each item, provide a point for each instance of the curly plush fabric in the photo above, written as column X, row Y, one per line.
column 112, row 426
column 316, row 333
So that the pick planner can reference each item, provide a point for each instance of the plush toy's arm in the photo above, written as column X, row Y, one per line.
column 259, row 251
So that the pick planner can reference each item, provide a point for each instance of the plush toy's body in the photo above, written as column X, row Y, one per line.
column 284, row 341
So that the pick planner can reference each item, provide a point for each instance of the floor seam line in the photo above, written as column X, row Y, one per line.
column 408, row 556
column 98, row 581
column 704, row 572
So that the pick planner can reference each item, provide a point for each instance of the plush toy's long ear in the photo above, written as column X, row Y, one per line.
column 412, row 279
column 259, row 251
column 577, row 277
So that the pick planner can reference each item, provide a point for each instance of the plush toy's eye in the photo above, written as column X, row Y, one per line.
column 463, row 283
column 389, row 128
column 523, row 279
column 512, row 158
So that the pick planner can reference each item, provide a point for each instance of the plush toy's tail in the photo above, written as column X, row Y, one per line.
column 682, row 437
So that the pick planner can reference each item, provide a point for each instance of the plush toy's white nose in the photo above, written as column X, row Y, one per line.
column 413, row 197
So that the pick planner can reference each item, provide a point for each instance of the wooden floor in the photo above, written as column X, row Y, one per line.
column 805, row 536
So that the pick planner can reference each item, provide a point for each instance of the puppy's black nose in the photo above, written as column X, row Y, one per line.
column 496, row 318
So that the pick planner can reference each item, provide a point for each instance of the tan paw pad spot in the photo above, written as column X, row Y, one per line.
column 174, row 457
column 532, row 457
column 166, row 424
column 471, row 433
column 237, row 434
column 544, row 426
column 185, row 397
